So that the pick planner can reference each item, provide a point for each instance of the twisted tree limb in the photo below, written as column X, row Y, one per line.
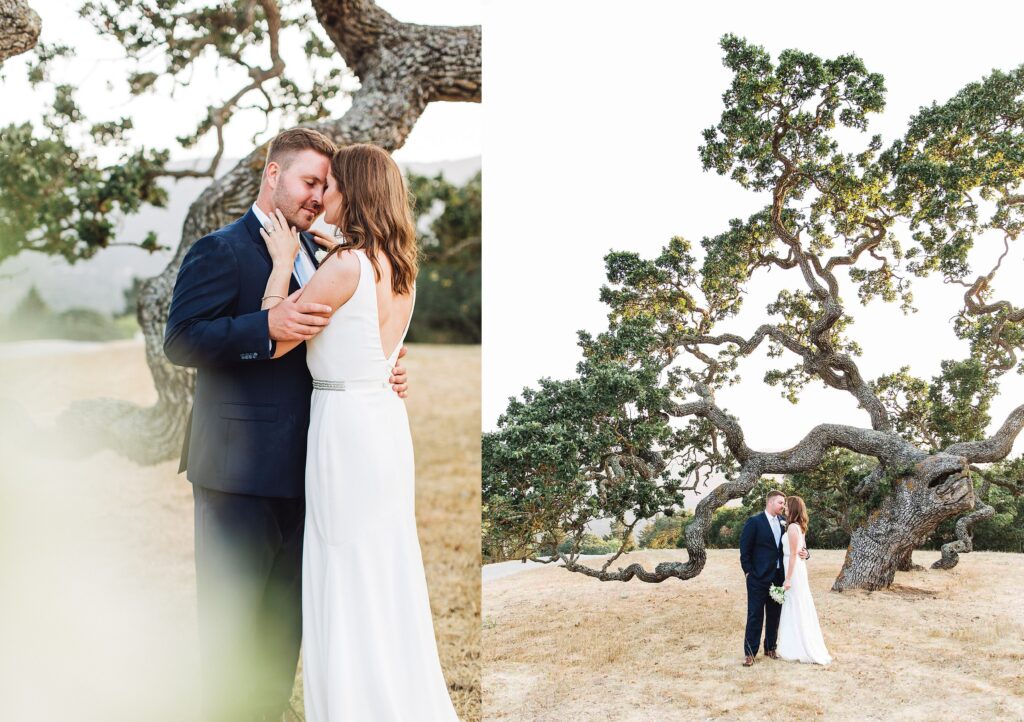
column 965, row 532
column 995, row 447
column 929, row 488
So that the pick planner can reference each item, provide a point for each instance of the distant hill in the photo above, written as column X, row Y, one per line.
column 99, row 283
column 456, row 171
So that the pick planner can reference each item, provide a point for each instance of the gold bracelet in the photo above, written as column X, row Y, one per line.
column 272, row 296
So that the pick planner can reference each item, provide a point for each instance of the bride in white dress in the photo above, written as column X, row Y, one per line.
column 800, row 637
column 368, row 647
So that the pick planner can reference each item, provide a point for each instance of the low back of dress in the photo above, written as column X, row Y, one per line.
column 368, row 646
column 349, row 349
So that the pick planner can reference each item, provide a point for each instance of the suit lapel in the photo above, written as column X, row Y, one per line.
column 771, row 533
column 252, row 225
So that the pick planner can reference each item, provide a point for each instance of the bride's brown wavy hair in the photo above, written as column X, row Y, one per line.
column 376, row 211
column 796, row 511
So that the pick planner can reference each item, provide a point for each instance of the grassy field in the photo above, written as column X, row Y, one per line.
column 937, row 645
column 97, row 619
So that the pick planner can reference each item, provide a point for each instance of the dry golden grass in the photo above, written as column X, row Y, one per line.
column 99, row 550
column 937, row 645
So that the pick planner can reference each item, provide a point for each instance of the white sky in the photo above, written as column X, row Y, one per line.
column 445, row 131
column 593, row 117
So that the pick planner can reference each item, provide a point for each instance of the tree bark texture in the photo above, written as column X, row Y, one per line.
column 19, row 28
column 939, row 487
column 906, row 563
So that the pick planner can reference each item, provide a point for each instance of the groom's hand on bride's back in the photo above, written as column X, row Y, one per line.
column 398, row 380
column 294, row 320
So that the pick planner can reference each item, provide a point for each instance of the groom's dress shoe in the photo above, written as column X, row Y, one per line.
column 771, row 654
column 748, row 662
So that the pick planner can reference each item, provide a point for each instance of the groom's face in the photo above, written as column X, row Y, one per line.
column 776, row 505
column 298, row 187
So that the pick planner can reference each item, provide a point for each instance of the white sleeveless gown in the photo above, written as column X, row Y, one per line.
column 368, row 647
column 800, row 637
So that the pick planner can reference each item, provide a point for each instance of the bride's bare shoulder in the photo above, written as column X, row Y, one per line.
column 342, row 265
column 336, row 279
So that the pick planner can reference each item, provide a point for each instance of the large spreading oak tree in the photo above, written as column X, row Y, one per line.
column 640, row 425
column 391, row 71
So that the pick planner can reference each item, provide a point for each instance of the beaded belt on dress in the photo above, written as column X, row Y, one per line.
column 349, row 385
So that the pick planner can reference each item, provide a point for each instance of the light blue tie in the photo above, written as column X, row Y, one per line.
column 300, row 268
column 777, row 524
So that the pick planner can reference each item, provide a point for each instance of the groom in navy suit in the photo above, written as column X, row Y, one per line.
column 245, row 448
column 761, row 559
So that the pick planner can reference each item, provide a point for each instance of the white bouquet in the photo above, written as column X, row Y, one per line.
column 778, row 594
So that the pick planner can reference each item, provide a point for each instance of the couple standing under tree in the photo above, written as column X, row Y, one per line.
column 299, row 450
column 773, row 550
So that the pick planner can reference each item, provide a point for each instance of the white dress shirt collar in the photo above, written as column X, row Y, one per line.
column 262, row 217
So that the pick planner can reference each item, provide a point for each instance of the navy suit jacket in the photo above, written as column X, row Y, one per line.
column 250, row 415
column 759, row 553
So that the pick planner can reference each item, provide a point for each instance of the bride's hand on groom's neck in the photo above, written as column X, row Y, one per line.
column 282, row 241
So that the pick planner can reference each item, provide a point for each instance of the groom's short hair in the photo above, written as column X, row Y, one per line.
column 289, row 142
column 773, row 492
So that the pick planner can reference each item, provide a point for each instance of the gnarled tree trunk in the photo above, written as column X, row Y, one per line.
column 939, row 487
